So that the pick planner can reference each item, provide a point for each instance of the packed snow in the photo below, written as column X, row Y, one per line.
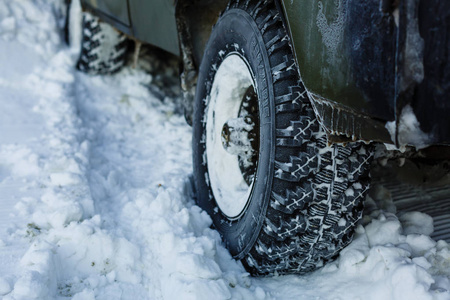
column 408, row 131
column 95, row 197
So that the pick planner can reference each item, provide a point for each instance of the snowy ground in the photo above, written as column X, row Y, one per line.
column 94, row 197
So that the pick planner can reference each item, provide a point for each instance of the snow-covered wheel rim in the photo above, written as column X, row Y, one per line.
column 228, row 96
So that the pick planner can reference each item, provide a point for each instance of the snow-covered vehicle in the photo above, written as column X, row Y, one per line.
column 285, row 99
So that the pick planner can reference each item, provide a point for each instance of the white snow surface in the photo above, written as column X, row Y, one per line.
column 93, row 200
column 409, row 132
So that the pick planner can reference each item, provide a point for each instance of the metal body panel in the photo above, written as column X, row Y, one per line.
column 154, row 22
column 346, row 52
column 114, row 9
column 372, row 59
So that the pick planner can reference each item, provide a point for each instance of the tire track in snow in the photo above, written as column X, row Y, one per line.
column 121, row 163
column 139, row 160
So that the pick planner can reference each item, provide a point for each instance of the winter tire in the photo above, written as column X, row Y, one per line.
column 103, row 48
column 283, row 200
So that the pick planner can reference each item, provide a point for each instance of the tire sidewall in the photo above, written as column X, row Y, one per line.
column 236, row 33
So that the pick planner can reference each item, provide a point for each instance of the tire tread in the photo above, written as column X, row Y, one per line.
column 97, row 56
column 318, row 191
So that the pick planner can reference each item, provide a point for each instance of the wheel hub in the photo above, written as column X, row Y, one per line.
column 232, row 126
column 238, row 135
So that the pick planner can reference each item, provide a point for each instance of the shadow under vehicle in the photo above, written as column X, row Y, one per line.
column 286, row 100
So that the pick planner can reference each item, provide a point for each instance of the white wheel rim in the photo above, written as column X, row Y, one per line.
column 228, row 185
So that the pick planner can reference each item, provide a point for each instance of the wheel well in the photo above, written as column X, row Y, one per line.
column 195, row 20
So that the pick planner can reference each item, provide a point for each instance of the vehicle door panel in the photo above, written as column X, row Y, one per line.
column 154, row 22
column 115, row 9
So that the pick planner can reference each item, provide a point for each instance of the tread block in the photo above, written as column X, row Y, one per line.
column 269, row 21
column 299, row 130
column 279, row 36
column 259, row 7
column 297, row 94
column 299, row 166
column 288, row 107
column 279, row 76
column 286, row 228
column 285, row 64
column 284, row 43
column 294, row 200
column 277, row 251
column 359, row 165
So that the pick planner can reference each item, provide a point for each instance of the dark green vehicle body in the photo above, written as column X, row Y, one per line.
column 152, row 21
column 361, row 61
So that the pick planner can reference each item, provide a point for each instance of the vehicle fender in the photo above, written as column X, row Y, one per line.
column 154, row 22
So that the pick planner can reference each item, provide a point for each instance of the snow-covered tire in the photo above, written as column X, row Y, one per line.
column 103, row 48
column 304, row 196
